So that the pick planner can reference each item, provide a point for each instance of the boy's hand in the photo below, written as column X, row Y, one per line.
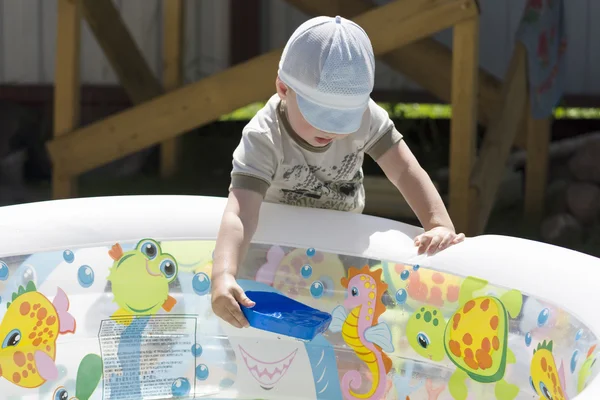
column 226, row 296
column 437, row 239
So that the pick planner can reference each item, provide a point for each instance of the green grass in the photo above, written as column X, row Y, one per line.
column 421, row 111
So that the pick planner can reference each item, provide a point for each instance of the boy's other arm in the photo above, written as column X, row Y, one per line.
column 404, row 171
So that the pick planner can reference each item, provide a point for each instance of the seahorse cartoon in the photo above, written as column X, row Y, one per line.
column 362, row 332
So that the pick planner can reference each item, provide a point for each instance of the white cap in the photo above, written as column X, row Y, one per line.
column 329, row 63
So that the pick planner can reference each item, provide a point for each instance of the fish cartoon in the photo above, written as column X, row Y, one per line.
column 140, row 280
column 362, row 331
column 547, row 381
column 28, row 333
column 586, row 369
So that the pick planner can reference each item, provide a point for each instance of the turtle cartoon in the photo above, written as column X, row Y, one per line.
column 140, row 279
column 474, row 338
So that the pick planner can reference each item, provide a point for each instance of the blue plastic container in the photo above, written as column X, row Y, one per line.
column 277, row 313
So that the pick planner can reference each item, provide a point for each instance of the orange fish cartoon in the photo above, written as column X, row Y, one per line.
column 546, row 379
column 28, row 334
column 363, row 333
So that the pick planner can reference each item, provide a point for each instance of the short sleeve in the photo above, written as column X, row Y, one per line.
column 254, row 162
column 383, row 134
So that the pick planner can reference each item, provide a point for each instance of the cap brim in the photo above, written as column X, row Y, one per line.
column 331, row 120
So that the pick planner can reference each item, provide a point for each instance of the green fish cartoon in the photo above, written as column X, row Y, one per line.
column 140, row 280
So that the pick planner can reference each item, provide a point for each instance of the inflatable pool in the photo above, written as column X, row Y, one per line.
column 109, row 298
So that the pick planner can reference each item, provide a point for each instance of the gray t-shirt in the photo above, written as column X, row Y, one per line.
column 274, row 161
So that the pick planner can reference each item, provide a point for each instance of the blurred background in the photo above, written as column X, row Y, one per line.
column 90, row 78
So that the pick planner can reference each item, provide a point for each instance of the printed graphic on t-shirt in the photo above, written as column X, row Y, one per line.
column 334, row 187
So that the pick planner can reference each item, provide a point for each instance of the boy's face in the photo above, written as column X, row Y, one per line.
column 306, row 131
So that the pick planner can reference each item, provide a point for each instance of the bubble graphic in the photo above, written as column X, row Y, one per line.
column 316, row 289
column 401, row 296
column 197, row 350
column 311, row 252
column 201, row 372
column 201, row 283
column 579, row 334
column 3, row 271
column 574, row 360
column 416, row 267
column 528, row 339
column 85, row 276
column 181, row 387
column 68, row 256
column 543, row 317
column 306, row 271
column 28, row 275
column 405, row 274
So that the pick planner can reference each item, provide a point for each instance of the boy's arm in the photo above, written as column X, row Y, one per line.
column 404, row 171
column 238, row 225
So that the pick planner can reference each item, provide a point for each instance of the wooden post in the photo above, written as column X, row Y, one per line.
column 66, row 88
column 490, row 165
column 538, row 133
column 172, row 75
column 463, row 131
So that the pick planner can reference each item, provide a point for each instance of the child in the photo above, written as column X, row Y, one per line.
column 306, row 148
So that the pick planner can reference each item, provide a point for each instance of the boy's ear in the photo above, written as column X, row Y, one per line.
column 282, row 89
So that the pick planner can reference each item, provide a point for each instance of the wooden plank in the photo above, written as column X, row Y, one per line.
column 173, row 11
column 426, row 61
column 536, row 169
column 66, row 90
column 121, row 50
column 204, row 101
column 404, row 21
column 489, row 168
column 463, row 129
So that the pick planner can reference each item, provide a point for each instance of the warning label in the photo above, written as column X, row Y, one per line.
column 148, row 357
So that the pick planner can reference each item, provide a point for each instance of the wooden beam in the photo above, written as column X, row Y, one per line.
column 404, row 21
column 536, row 169
column 121, row 50
column 489, row 168
column 463, row 128
column 426, row 61
column 204, row 101
column 173, row 21
column 66, row 88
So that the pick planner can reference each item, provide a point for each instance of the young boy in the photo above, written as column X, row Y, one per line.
column 306, row 148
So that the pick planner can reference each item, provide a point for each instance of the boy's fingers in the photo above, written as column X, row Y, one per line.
column 229, row 318
column 448, row 238
column 239, row 316
column 434, row 244
column 241, row 297
column 459, row 238
column 424, row 244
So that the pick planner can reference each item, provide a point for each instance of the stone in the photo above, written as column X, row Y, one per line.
column 583, row 201
column 584, row 163
column 562, row 229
